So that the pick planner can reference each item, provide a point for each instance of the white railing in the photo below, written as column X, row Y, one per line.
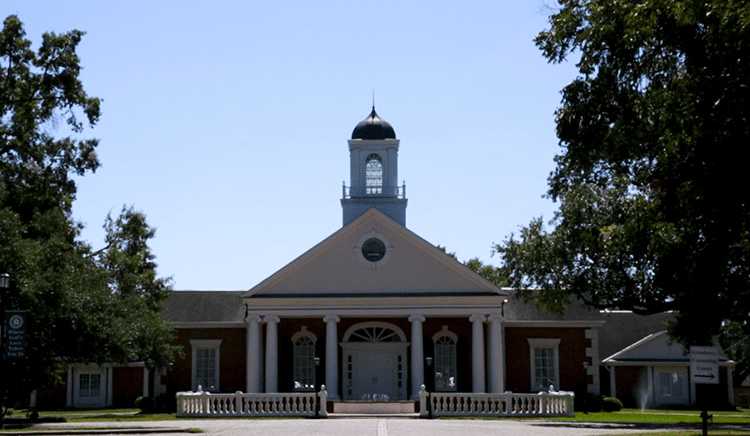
column 206, row 404
column 506, row 404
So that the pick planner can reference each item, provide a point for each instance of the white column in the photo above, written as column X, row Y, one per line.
column 109, row 372
column 612, row 382
column 496, row 368
column 145, row 381
column 332, row 356
column 730, row 385
column 651, row 387
column 253, row 354
column 417, row 355
column 272, row 353
column 477, row 353
column 69, row 388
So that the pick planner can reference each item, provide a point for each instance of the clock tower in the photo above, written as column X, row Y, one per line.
column 373, row 157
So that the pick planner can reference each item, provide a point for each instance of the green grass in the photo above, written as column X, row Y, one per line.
column 94, row 415
column 657, row 416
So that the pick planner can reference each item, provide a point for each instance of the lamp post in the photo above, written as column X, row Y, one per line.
column 4, row 285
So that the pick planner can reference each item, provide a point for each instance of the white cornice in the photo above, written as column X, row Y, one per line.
column 208, row 324
column 554, row 323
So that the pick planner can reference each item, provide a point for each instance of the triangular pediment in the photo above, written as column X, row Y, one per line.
column 336, row 266
column 654, row 347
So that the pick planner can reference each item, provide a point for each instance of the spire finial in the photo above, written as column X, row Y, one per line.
column 373, row 98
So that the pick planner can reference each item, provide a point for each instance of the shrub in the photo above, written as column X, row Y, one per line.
column 146, row 404
column 611, row 404
column 586, row 402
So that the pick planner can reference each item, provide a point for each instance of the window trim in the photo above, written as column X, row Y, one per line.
column 541, row 343
column 304, row 333
column 374, row 189
column 445, row 333
column 210, row 344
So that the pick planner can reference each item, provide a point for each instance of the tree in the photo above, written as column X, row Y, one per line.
column 38, row 247
column 142, row 334
column 79, row 310
column 654, row 204
column 497, row 275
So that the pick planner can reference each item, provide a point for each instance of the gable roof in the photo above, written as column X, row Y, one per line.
column 203, row 307
column 335, row 266
column 656, row 347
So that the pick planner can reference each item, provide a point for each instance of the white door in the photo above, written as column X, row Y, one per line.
column 374, row 362
column 374, row 372
column 671, row 385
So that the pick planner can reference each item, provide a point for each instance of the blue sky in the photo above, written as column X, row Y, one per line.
column 226, row 122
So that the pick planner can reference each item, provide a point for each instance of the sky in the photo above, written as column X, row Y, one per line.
column 227, row 122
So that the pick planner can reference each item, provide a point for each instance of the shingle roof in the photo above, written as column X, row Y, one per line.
column 621, row 328
column 204, row 306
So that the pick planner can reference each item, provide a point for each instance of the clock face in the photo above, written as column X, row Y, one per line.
column 373, row 249
column 15, row 322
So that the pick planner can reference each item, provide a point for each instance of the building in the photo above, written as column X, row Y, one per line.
column 374, row 311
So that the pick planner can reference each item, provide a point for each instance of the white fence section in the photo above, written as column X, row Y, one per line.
column 506, row 404
column 206, row 404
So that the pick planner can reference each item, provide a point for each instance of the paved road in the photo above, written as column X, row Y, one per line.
column 373, row 427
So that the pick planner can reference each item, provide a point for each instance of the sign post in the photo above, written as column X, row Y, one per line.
column 704, row 369
column 15, row 334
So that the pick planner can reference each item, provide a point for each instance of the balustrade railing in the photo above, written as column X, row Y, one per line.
column 206, row 404
column 348, row 192
column 437, row 404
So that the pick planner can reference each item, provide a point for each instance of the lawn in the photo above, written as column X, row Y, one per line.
column 91, row 415
column 657, row 416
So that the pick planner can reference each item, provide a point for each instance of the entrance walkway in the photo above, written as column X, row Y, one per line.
column 379, row 427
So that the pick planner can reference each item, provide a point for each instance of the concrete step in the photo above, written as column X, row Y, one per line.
column 373, row 415
column 374, row 407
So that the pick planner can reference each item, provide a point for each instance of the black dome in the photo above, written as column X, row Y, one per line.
column 373, row 127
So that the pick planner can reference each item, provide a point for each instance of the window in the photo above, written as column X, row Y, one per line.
column 544, row 363
column 671, row 385
column 303, row 364
column 206, row 364
column 373, row 175
column 373, row 249
column 89, row 385
column 445, row 360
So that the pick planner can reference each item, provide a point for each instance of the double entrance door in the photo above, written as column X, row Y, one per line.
column 374, row 372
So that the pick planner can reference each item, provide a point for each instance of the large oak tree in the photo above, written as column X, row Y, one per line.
column 83, row 306
column 652, row 174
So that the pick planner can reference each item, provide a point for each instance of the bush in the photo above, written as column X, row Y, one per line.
column 611, row 404
column 586, row 402
column 146, row 404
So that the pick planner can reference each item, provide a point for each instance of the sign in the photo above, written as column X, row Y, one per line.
column 15, row 334
column 704, row 365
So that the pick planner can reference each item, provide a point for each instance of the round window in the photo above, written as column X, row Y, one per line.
column 373, row 249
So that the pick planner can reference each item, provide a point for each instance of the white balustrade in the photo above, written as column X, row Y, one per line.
column 505, row 404
column 206, row 404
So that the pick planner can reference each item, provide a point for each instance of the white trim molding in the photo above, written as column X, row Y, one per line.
column 88, row 396
column 554, row 344
column 553, row 323
column 592, row 367
column 205, row 344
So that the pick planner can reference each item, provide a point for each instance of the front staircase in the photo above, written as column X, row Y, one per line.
column 374, row 408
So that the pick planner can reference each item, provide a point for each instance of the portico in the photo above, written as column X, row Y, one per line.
column 380, row 356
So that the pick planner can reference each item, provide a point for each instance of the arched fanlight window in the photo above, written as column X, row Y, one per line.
column 303, row 344
column 374, row 174
column 445, row 360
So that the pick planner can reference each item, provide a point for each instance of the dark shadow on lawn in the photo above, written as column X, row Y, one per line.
column 637, row 426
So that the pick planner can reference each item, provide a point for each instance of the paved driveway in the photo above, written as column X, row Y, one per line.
column 373, row 427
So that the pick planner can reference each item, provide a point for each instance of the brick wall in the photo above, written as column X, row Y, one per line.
column 572, row 357
column 231, row 360
column 127, row 385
